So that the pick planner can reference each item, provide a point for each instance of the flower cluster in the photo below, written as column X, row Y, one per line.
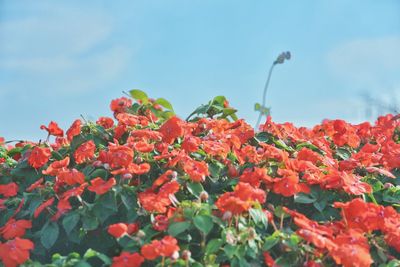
column 144, row 188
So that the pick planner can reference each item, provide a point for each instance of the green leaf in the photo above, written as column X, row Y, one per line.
column 139, row 95
column 257, row 106
column 195, row 188
column 258, row 216
column 163, row 102
column 90, row 223
column 213, row 245
column 204, row 223
column 102, row 173
column 271, row 241
column 304, row 199
column 49, row 234
column 90, row 253
column 320, row 205
column 176, row 228
column 70, row 221
column 230, row 250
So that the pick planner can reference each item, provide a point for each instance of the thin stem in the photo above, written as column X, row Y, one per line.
column 264, row 95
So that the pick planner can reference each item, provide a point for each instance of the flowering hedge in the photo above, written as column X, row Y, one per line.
column 146, row 188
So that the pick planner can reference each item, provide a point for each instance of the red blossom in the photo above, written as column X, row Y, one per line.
column 118, row 230
column 53, row 129
column 74, row 130
column 172, row 129
column 9, row 190
column 165, row 247
column 100, row 187
column 15, row 252
column 85, row 152
column 39, row 157
column 127, row 259
column 15, row 228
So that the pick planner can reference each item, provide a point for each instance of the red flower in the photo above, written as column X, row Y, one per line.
column 37, row 184
column 197, row 170
column 118, row 230
column 127, row 259
column 172, row 129
column 360, row 214
column 191, row 143
column 165, row 247
column 99, row 186
column 55, row 167
column 85, row 152
column 39, row 157
column 42, row 206
column 74, row 130
column 15, row 252
column 53, row 129
column 120, row 104
column 14, row 228
column 105, row 122
column 241, row 199
column 143, row 146
column 255, row 176
column 268, row 260
column 160, row 223
column 158, row 202
column 71, row 177
column 9, row 190
column 352, row 250
column 119, row 156
column 288, row 185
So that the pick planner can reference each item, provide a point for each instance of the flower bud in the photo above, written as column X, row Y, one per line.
column 227, row 215
column 127, row 176
column 175, row 256
column 186, row 254
column 97, row 163
column 204, row 196
column 388, row 185
column 141, row 234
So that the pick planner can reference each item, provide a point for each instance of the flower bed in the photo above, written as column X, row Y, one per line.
column 146, row 188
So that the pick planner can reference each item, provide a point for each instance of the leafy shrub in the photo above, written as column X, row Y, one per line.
column 149, row 189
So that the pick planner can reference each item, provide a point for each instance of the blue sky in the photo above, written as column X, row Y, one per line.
column 60, row 59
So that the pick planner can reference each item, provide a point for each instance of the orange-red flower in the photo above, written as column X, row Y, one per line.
column 352, row 250
column 241, row 199
column 15, row 228
column 197, row 170
column 9, row 190
column 37, row 184
column 190, row 143
column 85, row 152
column 57, row 166
column 160, row 223
column 172, row 129
column 158, row 202
column 165, row 247
column 118, row 230
column 71, row 176
column 53, row 129
column 120, row 104
column 74, row 130
column 42, row 206
column 127, row 259
column 39, row 157
column 99, row 186
column 15, row 252
column 105, row 122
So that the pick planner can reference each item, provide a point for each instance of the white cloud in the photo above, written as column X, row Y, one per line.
column 367, row 64
column 62, row 47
